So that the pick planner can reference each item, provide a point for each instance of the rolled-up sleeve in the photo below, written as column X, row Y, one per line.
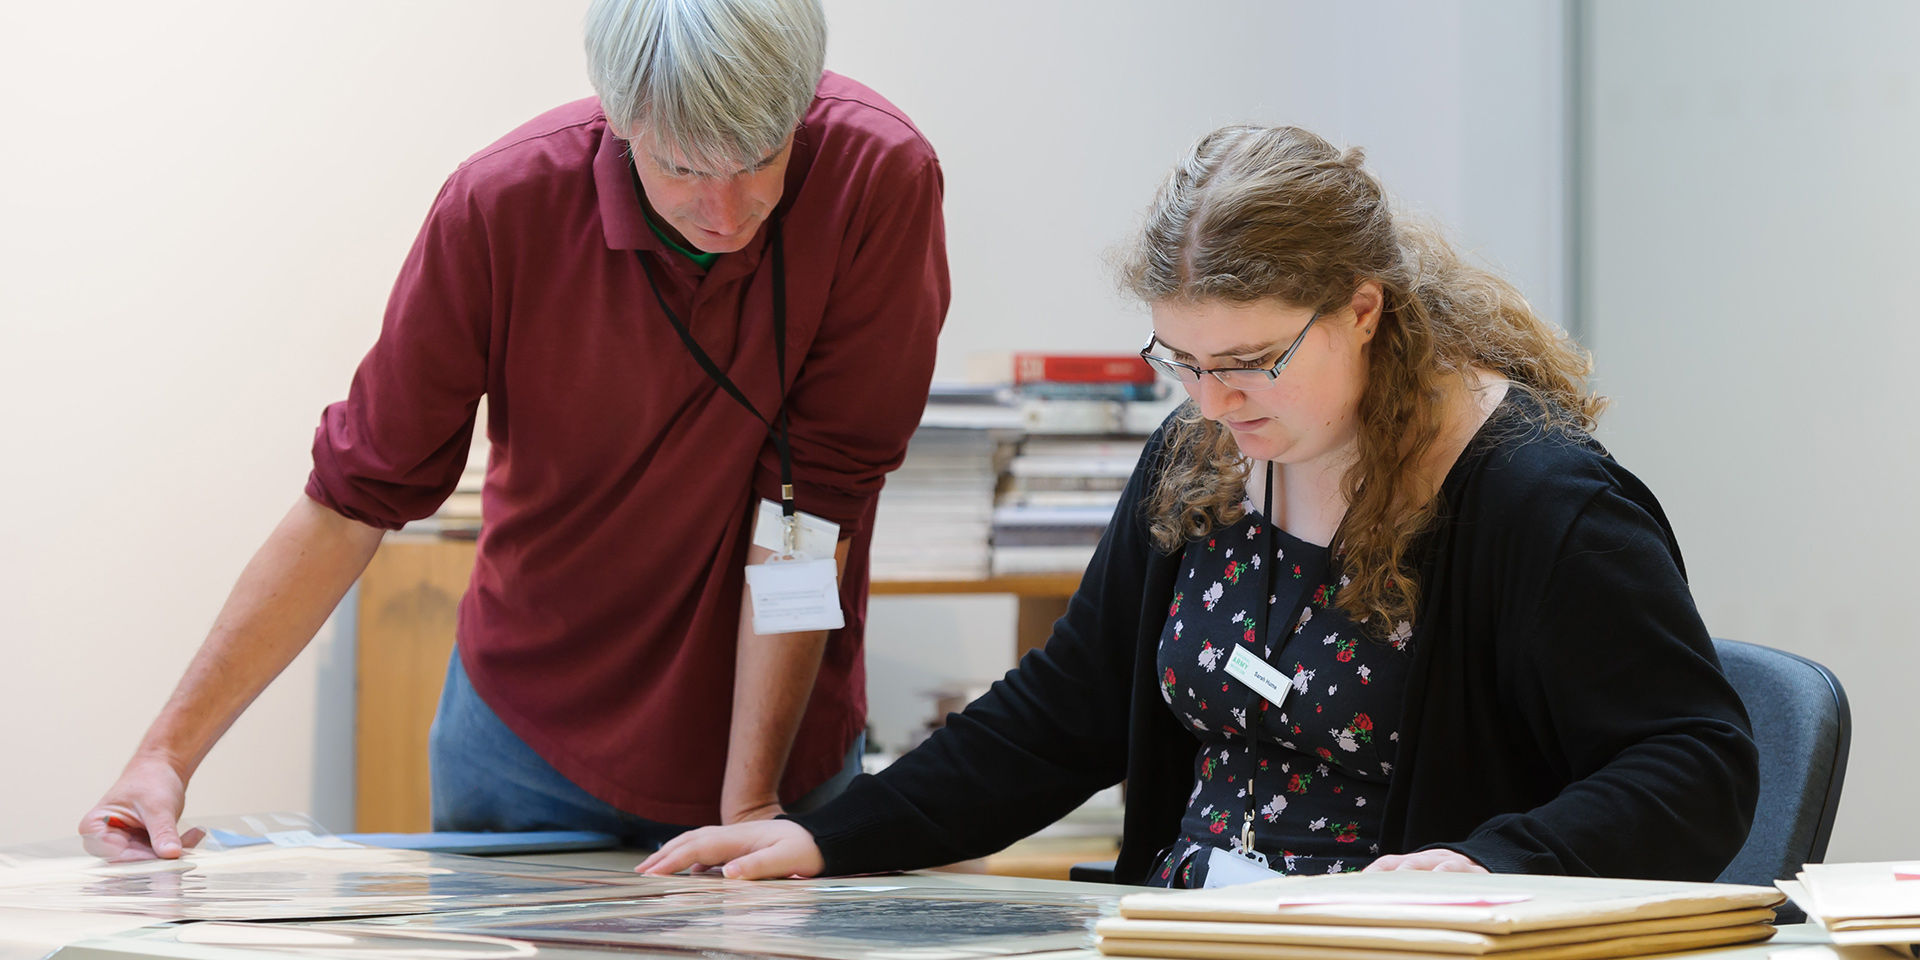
column 393, row 450
column 861, row 389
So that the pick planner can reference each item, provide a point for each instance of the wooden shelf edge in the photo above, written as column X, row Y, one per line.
column 1029, row 585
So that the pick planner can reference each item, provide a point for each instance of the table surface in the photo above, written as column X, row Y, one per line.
column 163, row 942
column 1790, row 935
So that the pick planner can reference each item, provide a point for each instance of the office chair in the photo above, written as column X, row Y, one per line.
column 1803, row 728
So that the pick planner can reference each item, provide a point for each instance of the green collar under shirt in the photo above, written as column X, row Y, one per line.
column 705, row 260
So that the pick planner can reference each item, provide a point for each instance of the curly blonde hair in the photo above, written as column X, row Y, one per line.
column 1277, row 213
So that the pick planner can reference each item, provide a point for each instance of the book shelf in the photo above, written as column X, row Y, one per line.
column 1024, row 586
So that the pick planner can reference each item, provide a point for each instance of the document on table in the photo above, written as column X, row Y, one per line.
column 1481, row 903
column 796, row 920
column 803, row 920
column 33, row 934
column 1861, row 903
column 286, row 883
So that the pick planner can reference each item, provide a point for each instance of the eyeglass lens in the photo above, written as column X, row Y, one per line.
column 1249, row 379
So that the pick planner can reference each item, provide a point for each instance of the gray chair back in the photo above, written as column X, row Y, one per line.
column 1803, row 728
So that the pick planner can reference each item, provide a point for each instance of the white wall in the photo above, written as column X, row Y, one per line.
column 1752, row 203
column 1056, row 121
column 202, row 207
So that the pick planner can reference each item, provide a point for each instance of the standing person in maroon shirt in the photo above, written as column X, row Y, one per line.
column 613, row 277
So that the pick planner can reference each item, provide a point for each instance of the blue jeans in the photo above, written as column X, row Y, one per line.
column 485, row 778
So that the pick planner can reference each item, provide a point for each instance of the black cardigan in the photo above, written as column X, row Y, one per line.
column 1565, row 712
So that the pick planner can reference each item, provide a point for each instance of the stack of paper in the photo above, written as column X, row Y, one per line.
column 1861, row 903
column 1411, row 915
column 936, row 511
column 1061, row 496
column 274, row 882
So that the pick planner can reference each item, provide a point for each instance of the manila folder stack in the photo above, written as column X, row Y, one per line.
column 1407, row 915
column 1861, row 903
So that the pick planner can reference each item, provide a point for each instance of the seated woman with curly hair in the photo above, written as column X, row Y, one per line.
column 1374, row 598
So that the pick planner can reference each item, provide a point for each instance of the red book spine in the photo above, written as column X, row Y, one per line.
column 1080, row 368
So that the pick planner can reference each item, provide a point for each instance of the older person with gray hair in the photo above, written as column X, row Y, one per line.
column 703, row 308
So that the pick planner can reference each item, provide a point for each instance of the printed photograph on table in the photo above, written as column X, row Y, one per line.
column 289, row 883
column 791, row 920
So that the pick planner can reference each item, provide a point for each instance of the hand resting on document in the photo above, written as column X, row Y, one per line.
column 756, row 850
column 1437, row 860
column 137, row 819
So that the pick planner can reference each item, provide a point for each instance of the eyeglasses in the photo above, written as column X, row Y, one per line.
column 1245, row 379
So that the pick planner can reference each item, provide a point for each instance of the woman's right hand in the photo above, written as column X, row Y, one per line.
column 756, row 850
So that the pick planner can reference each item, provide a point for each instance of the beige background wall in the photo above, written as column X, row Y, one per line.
column 202, row 208
column 1753, row 194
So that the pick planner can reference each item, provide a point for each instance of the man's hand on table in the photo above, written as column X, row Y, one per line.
column 139, row 817
column 1436, row 860
column 757, row 850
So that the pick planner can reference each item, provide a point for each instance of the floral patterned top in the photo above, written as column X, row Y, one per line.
column 1319, row 763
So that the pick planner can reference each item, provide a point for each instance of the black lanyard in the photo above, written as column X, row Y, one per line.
column 1256, row 722
column 781, row 440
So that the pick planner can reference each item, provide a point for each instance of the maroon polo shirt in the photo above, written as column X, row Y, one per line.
column 601, row 619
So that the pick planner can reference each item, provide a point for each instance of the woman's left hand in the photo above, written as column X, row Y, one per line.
column 1438, row 861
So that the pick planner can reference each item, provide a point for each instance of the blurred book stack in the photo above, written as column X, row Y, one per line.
column 1017, row 471
column 936, row 512
column 1085, row 395
column 1061, row 491
column 1115, row 377
column 1056, row 502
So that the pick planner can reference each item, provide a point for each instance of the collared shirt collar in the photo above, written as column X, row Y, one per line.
column 625, row 223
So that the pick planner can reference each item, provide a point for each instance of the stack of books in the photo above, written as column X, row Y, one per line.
column 1077, row 393
column 1123, row 377
column 1861, row 903
column 936, row 512
column 1059, row 496
column 939, row 517
column 1408, row 915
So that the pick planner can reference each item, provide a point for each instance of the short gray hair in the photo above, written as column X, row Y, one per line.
column 722, row 81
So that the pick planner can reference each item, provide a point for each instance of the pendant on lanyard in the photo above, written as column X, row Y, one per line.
column 800, row 591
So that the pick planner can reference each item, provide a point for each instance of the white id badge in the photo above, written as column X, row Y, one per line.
column 1228, row 869
column 795, row 596
column 1258, row 674
column 817, row 537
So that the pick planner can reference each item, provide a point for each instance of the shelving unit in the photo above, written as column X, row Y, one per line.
column 1042, row 599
